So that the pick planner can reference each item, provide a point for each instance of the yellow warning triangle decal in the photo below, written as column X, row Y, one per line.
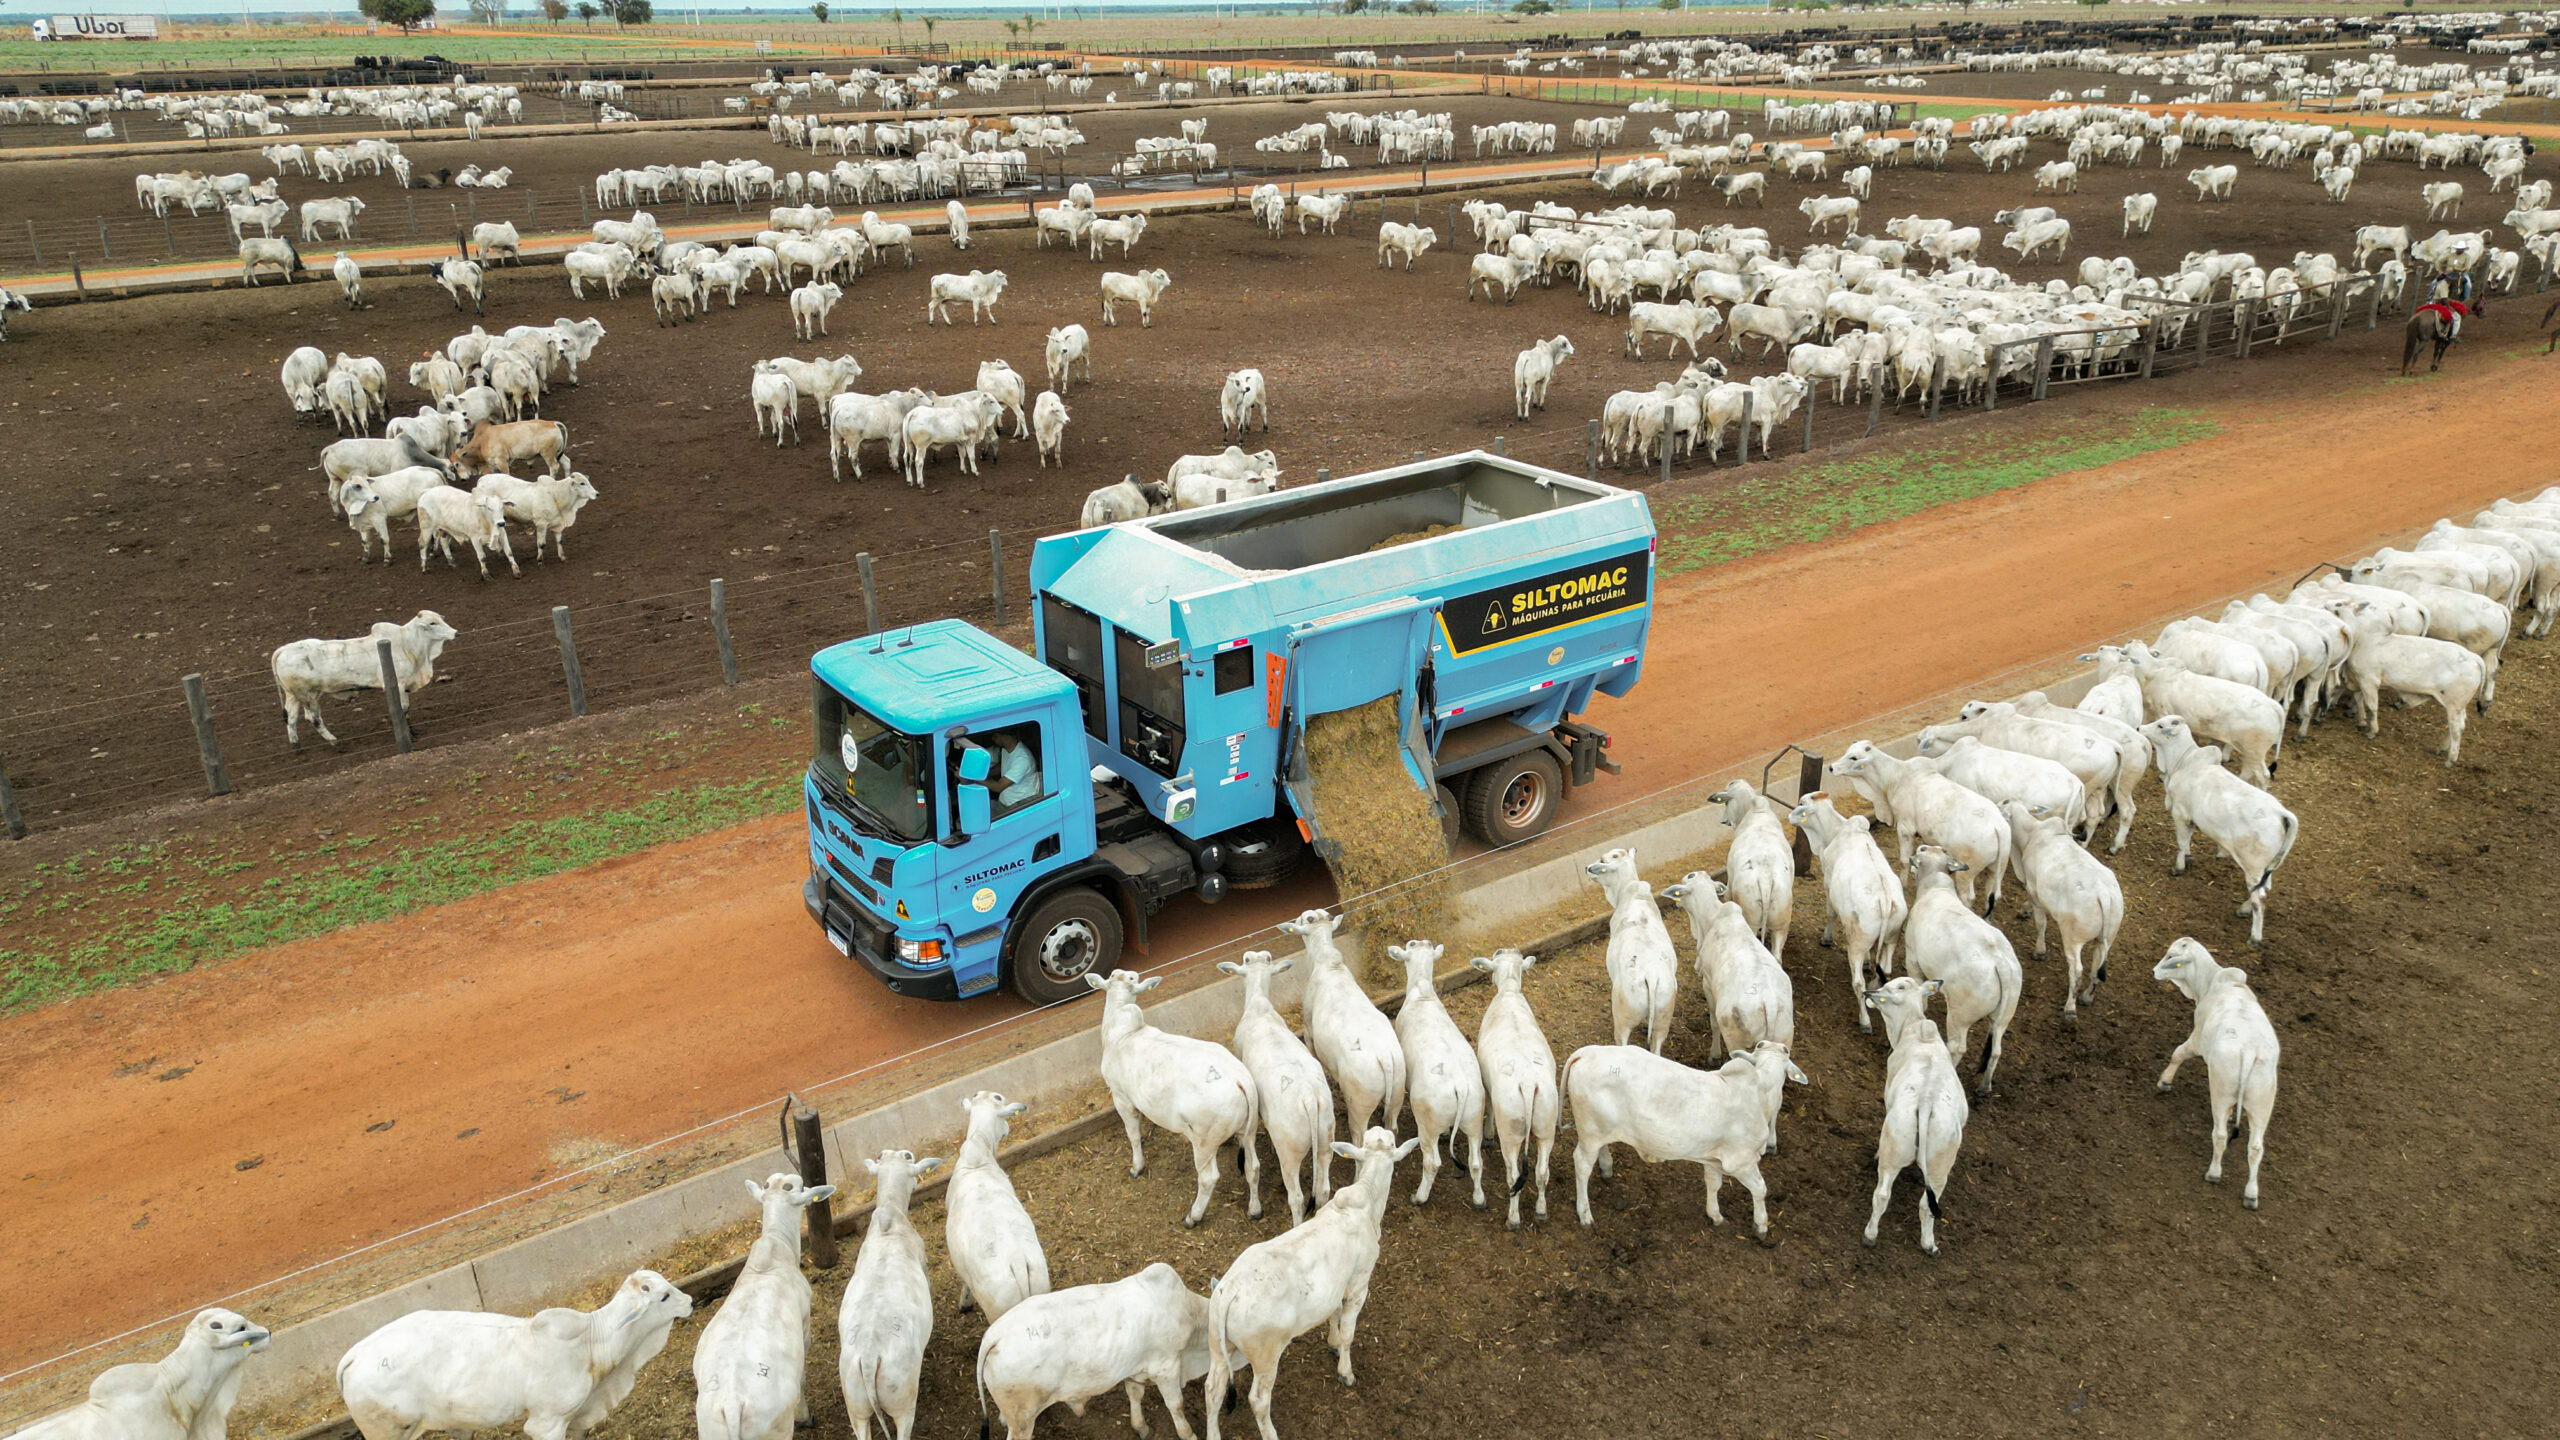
column 1493, row 616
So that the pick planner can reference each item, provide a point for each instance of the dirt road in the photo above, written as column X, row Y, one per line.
column 387, row 1076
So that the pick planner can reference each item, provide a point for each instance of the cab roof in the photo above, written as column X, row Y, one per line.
column 946, row 671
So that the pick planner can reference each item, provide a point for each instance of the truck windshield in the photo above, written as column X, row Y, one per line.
column 879, row 769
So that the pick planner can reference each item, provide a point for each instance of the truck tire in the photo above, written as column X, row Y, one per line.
column 1068, row 936
column 1453, row 821
column 1515, row 799
column 1262, row 854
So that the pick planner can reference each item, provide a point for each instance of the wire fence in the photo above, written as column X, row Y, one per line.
column 94, row 757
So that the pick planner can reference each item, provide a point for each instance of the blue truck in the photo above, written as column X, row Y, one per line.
column 980, row 817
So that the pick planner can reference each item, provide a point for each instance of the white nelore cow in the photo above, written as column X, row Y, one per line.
column 1644, row 969
column 1724, row 1119
column 980, row 288
column 1127, row 500
column 1244, row 397
column 887, row 1316
column 2244, row 822
column 1532, row 371
column 306, row 671
column 184, row 1395
column 751, row 1358
column 558, row 1374
column 1749, row 997
column 1143, row 289
column 1069, row 1346
column 1296, row 1104
column 2071, row 888
column 1316, row 1274
column 1195, row 1088
column 1442, row 1078
column 1924, row 1105
column 1348, row 1032
column 994, row 1247
column 1861, row 895
column 1922, row 804
column 1759, row 863
column 1198, row 480
column 2239, row 1047
column 1520, row 1086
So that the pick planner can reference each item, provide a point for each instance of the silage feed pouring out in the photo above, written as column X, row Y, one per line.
column 1376, row 827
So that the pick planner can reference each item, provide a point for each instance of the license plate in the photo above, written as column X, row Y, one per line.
column 843, row 946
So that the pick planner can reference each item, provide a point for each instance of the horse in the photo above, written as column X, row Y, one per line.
column 2439, row 321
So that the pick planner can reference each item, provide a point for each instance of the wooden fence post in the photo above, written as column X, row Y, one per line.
column 1498, row 448
column 871, row 593
column 569, row 660
column 995, row 566
column 1591, row 453
column 1875, row 399
column 2337, row 308
column 808, row 1139
column 2248, row 324
column 1937, row 384
column 2044, row 366
column 1808, row 781
column 2204, row 333
column 217, row 780
column 2373, row 307
column 1811, row 403
column 2150, row 345
column 720, row 632
column 1991, row 386
column 392, row 699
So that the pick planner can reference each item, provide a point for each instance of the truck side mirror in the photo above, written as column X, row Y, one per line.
column 976, row 807
column 976, row 763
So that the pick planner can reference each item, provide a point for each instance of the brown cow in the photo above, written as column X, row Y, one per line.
column 495, row 446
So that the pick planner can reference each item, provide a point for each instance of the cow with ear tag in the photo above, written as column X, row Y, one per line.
column 1924, row 1104
column 1196, row 1088
column 184, row 1395
column 748, row 1365
column 994, row 1247
column 1317, row 1274
column 887, row 1316
column 1519, row 1077
column 1296, row 1104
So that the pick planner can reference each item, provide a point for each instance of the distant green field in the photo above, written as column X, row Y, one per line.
column 975, row 32
column 301, row 49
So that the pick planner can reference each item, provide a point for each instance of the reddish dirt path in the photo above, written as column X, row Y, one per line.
column 636, row 998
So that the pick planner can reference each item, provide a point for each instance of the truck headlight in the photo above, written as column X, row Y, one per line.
column 916, row 951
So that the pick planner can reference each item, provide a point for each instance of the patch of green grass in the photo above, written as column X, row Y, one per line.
column 1834, row 499
column 368, row 879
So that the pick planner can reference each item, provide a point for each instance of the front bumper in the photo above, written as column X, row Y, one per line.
column 866, row 940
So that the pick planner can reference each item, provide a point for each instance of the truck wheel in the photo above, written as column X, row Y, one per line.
column 1262, row 854
column 1514, row 800
column 1072, row 934
column 1453, row 821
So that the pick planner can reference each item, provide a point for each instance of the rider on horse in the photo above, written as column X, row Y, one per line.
column 2450, row 302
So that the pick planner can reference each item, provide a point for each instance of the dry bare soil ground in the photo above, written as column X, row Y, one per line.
column 164, row 522
column 2397, row 1280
